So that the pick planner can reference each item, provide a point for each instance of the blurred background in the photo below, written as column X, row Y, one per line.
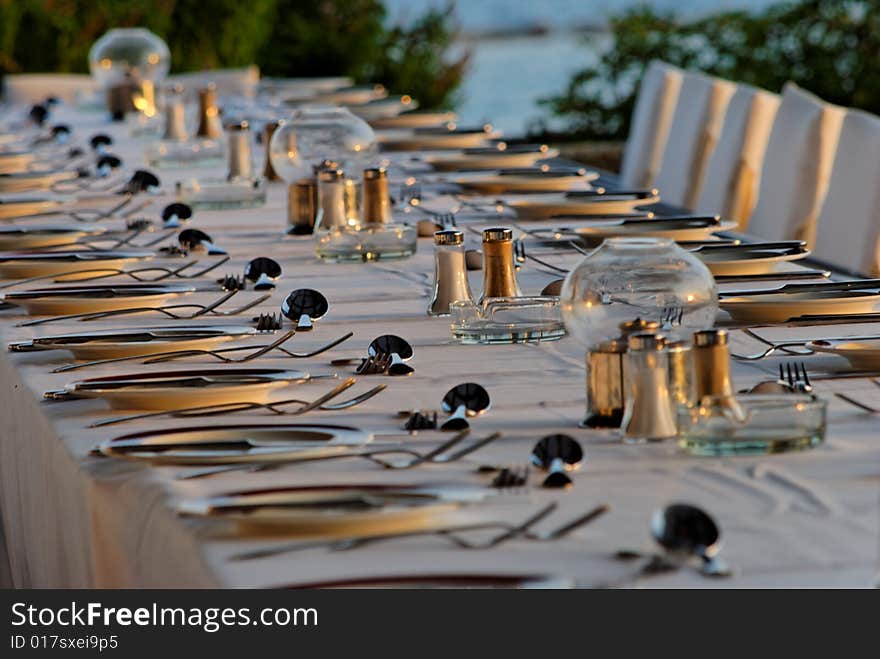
column 554, row 70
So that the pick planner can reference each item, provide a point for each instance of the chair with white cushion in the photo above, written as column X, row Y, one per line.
column 693, row 134
column 730, row 186
column 30, row 88
column 797, row 166
column 848, row 232
column 652, row 116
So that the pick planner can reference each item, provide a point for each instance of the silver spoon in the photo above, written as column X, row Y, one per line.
column 557, row 454
column 463, row 401
column 683, row 529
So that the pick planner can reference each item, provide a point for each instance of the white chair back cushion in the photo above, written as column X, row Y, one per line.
column 652, row 116
column 696, row 127
column 30, row 88
column 848, row 232
column 730, row 186
column 797, row 166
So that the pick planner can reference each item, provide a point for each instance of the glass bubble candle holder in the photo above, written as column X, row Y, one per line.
column 319, row 133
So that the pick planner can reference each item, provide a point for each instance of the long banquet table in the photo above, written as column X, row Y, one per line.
column 73, row 520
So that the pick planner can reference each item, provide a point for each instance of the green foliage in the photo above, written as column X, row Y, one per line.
column 827, row 46
column 283, row 37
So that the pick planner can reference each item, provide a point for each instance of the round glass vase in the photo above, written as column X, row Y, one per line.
column 122, row 52
column 317, row 134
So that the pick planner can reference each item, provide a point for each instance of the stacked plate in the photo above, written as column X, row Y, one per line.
column 169, row 390
column 750, row 258
column 19, row 265
column 34, row 237
column 591, row 202
column 497, row 156
column 443, row 137
column 112, row 343
column 237, row 443
column 92, row 299
column 793, row 300
column 526, row 179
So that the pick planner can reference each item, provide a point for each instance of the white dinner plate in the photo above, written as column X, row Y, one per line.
column 435, row 138
column 34, row 237
column 236, row 443
column 357, row 95
column 502, row 182
column 23, row 182
column 780, row 307
column 413, row 119
column 649, row 228
column 543, row 206
column 21, row 265
column 15, row 161
column 734, row 261
column 305, row 86
column 497, row 156
column 128, row 342
column 14, row 208
column 169, row 390
column 384, row 107
column 325, row 510
column 59, row 300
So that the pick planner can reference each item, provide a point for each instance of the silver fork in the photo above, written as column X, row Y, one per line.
column 671, row 317
column 374, row 364
column 796, row 378
column 511, row 477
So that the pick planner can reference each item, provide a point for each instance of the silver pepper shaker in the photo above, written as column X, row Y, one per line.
column 175, row 116
column 331, row 201
column 240, row 165
column 450, row 273
column 649, row 413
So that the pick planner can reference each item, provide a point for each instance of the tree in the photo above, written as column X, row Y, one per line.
column 826, row 46
column 283, row 37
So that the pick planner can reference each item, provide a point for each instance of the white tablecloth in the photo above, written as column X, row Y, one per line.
column 801, row 519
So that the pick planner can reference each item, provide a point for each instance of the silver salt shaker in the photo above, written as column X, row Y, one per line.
column 450, row 273
column 332, row 213
column 175, row 116
column 649, row 413
column 238, row 137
